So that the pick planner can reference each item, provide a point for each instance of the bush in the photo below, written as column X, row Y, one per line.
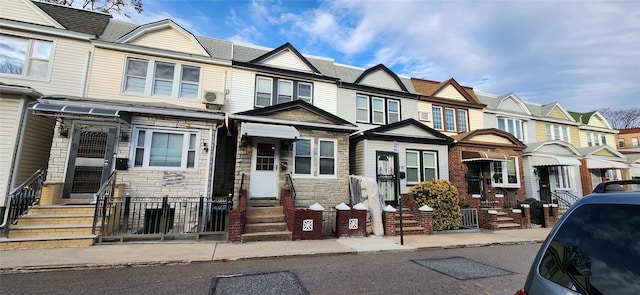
column 443, row 197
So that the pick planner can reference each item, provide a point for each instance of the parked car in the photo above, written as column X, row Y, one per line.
column 594, row 248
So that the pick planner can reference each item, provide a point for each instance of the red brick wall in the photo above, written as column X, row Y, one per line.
column 237, row 220
column 550, row 215
column 585, row 178
column 295, row 218
column 390, row 223
column 342, row 228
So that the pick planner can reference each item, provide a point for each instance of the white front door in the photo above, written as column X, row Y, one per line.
column 264, row 170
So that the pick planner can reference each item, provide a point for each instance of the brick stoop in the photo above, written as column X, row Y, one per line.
column 411, row 225
column 505, row 222
column 52, row 226
column 265, row 222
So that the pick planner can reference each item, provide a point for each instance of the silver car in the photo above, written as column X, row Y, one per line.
column 594, row 248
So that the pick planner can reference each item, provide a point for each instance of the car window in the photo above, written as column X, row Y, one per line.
column 596, row 250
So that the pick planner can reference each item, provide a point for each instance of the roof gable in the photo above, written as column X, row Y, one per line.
column 298, row 110
column 595, row 119
column 556, row 111
column 602, row 151
column 166, row 35
column 511, row 102
column 489, row 137
column 449, row 90
column 553, row 147
column 287, row 57
column 409, row 130
column 27, row 11
column 381, row 77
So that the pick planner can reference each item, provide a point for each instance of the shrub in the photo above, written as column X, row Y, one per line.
column 443, row 197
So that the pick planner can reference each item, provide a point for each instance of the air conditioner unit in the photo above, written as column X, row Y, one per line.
column 424, row 116
column 211, row 97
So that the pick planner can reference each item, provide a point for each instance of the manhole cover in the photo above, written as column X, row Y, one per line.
column 462, row 268
column 276, row 283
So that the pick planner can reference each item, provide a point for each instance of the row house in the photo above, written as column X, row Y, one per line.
column 627, row 144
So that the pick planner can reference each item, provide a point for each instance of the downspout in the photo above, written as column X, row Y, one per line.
column 85, row 79
column 211, row 159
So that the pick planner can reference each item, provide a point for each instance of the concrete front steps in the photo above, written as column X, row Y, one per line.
column 410, row 223
column 52, row 227
column 265, row 222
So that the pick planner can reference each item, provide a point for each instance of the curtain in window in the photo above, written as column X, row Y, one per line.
column 327, row 160
column 302, row 157
column 166, row 149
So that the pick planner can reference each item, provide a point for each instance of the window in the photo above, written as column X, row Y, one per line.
column 149, row 77
column 160, row 148
column 634, row 142
column 451, row 120
column 621, row 142
column 563, row 177
column 513, row 126
column 557, row 132
column 362, row 106
column 283, row 90
column 421, row 166
column 505, row 174
column 377, row 107
column 28, row 58
column 326, row 157
column 377, row 110
column 594, row 138
column 302, row 157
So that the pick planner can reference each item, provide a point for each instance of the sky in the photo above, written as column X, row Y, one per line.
column 584, row 54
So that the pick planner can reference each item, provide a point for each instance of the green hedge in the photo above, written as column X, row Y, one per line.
column 443, row 197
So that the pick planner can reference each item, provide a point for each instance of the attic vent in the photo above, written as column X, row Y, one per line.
column 216, row 98
column 424, row 116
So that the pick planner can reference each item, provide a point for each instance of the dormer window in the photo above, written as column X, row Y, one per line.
column 271, row 91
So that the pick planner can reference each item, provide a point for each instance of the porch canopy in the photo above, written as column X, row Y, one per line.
column 65, row 109
column 551, row 160
column 605, row 164
column 468, row 156
column 269, row 131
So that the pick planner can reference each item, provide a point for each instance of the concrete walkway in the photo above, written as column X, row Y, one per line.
column 132, row 254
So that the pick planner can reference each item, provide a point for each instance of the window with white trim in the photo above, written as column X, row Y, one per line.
column 421, row 166
column 302, row 156
column 165, row 149
column 450, row 119
column 362, row 108
column 273, row 90
column 28, row 58
column 634, row 142
column 377, row 110
column 563, row 177
column 557, row 132
column 505, row 174
column 595, row 138
column 393, row 107
column 327, row 150
column 513, row 126
column 158, row 78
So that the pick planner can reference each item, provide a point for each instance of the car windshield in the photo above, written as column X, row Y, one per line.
column 596, row 250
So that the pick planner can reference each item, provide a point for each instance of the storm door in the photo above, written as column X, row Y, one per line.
column 91, row 159
column 545, row 184
column 386, row 175
column 264, row 171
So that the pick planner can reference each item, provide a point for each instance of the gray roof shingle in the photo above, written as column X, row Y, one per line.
column 77, row 20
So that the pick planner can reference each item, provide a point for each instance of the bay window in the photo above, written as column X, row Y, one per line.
column 165, row 149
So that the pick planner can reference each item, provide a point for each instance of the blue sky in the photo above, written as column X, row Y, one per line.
column 583, row 54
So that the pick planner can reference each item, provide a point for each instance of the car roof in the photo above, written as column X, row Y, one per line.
column 610, row 198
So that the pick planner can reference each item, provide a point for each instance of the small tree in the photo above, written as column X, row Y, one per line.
column 443, row 197
column 106, row 6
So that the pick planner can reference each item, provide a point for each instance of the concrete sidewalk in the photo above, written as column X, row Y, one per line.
column 156, row 253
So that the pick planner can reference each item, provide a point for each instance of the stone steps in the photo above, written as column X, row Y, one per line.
column 265, row 223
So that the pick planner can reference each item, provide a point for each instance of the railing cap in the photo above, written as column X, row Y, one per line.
column 493, row 212
column 426, row 208
column 389, row 208
column 525, row 205
column 342, row 206
column 360, row 206
column 316, row 207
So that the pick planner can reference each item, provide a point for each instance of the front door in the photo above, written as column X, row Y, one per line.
column 386, row 176
column 545, row 184
column 91, row 160
column 264, row 170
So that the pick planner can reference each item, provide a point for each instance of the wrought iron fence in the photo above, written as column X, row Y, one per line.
column 564, row 199
column 292, row 189
column 329, row 223
column 469, row 218
column 129, row 218
column 21, row 198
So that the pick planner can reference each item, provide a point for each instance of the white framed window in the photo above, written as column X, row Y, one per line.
column 393, row 109
column 327, row 150
column 165, row 148
column 362, row 108
column 557, row 132
column 158, row 78
column 634, row 142
column 437, row 118
column 27, row 58
column 463, row 125
column 264, row 91
column 285, row 91
column 513, row 126
column 413, row 167
column 377, row 108
column 304, row 91
column 429, row 166
column 505, row 174
column 302, row 156
column 563, row 177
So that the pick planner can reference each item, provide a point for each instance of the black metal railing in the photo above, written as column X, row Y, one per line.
column 241, row 188
column 21, row 198
column 292, row 189
column 511, row 199
column 564, row 199
column 102, row 199
column 131, row 218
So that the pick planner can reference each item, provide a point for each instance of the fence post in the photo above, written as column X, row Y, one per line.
column 200, row 217
column 164, row 216
column 125, row 218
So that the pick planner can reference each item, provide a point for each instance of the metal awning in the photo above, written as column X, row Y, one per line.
column 552, row 160
column 605, row 164
column 269, row 131
column 468, row 156
column 71, row 110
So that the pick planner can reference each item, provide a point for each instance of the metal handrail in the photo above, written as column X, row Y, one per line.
column 565, row 199
column 22, row 197
column 100, row 199
column 292, row 189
